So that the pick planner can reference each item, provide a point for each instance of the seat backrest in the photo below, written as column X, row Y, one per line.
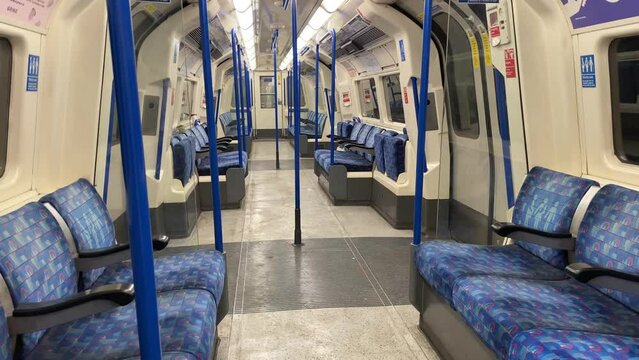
column 5, row 339
column 181, row 148
column 35, row 261
column 378, row 145
column 201, row 135
column 548, row 201
column 87, row 217
column 344, row 128
column 395, row 156
column 609, row 236
column 370, row 141
column 320, row 118
column 363, row 134
column 357, row 128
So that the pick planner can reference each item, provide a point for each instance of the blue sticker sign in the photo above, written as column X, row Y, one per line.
column 588, row 74
column 402, row 51
column 33, row 70
column 584, row 13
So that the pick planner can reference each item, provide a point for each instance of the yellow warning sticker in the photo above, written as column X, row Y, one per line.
column 487, row 49
column 475, row 50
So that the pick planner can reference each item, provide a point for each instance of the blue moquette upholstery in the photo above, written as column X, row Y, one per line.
column 35, row 261
column 82, row 209
column 351, row 160
column 609, row 235
column 380, row 140
column 547, row 201
column 499, row 308
column 87, row 217
column 187, row 328
column 183, row 158
column 5, row 339
column 395, row 156
column 545, row 344
column 229, row 125
column 225, row 161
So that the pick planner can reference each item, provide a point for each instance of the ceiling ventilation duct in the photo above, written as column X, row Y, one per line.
column 353, row 37
column 220, row 42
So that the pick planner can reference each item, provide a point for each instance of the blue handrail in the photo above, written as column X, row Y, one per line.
column 166, row 83
column 296, row 112
column 128, row 105
column 332, row 112
column 421, row 123
column 289, row 98
column 316, row 94
column 237, row 96
column 212, row 128
column 217, row 108
column 242, row 97
column 277, row 130
column 249, row 100
column 107, row 165
column 413, row 81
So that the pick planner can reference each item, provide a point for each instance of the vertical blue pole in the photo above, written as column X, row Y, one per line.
column 289, row 98
column 242, row 95
column 332, row 110
column 128, row 105
column 212, row 129
column 421, row 123
column 316, row 94
column 296, row 111
column 237, row 96
column 413, row 81
column 107, row 168
column 217, row 109
column 277, row 130
column 249, row 100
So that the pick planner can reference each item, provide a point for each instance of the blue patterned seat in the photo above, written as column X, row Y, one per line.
column 229, row 125
column 37, row 266
column 559, row 344
column 351, row 160
column 500, row 308
column 547, row 201
column 225, row 161
column 83, row 210
column 395, row 156
column 183, row 159
column 187, row 331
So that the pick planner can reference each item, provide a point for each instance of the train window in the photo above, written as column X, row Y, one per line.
column 460, row 80
column 624, row 76
column 368, row 98
column 188, row 91
column 6, row 60
column 393, row 96
column 267, row 92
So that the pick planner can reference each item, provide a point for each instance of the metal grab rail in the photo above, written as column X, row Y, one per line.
column 332, row 106
column 242, row 97
column 249, row 100
column 240, row 139
column 296, row 120
column 421, row 122
column 130, row 124
column 316, row 94
column 277, row 130
column 212, row 128
column 413, row 81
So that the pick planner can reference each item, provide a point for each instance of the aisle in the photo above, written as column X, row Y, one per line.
column 343, row 295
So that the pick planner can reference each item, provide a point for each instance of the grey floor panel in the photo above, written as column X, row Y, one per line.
column 389, row 261
column 320, row 274
column 285, row 164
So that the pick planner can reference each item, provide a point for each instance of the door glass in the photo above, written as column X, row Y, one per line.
column 267, row 92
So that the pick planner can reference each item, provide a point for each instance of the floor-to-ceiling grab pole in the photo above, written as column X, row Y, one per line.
column 421, row 123
column 242, row 96
column 413, row 81
column 289, row 98
column 212, row 128
column 249, row 100
column 217, row 106
column 128, row 105
column 277, row 129
column 296, row 120
column 317, row 47
column 236, row 90
column 332, row 112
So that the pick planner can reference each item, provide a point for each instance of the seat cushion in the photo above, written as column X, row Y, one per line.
column 547, row 201
column 201, row 269
column 225, row 161
column 351, row 160
column 395, row 156
column 187, row 328
column 560, row 344
column 443, row 263
column 499, row 308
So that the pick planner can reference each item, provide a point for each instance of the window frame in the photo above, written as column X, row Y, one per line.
column 271, row 94
column 616, row 105
column 375, row 95
column 387, row 107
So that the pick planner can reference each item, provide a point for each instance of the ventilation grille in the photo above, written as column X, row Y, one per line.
column 219, row 39
column 353, row 37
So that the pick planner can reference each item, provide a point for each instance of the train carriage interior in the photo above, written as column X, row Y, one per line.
column 391, row 179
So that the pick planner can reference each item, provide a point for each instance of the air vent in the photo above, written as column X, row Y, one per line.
column 353, row 37
column 219, row 39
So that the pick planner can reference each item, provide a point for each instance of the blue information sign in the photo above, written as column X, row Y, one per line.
column 584, row 13
column 33, row 70
column 402, row 51
column 588, row 74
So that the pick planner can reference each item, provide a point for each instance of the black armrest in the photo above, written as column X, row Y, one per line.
column 91, row 254
column 222, row 147
column 33, row 317
column 361, row 148
column 160, row 242
column 226, row 139
column 203, row 150
column 602, row 277
column 560, row 241
column 337, row 137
